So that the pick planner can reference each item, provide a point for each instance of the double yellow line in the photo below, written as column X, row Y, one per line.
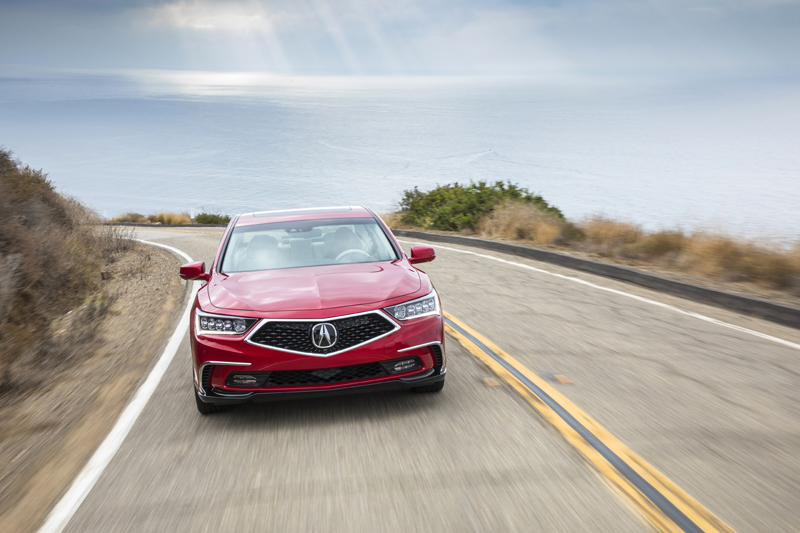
column 659, row 499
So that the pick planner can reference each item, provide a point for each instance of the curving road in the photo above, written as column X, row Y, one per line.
column 714, row 408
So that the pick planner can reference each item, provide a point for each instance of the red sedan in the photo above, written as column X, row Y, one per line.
column 313, row 302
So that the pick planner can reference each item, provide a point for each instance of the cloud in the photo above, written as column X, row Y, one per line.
column 212, row 16
column 403, row 36
column 364, row 36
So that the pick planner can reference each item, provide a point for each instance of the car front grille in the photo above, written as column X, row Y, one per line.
column 296, row 336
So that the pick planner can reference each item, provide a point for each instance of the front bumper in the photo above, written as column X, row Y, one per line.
column 217, row 357
column 216, row 397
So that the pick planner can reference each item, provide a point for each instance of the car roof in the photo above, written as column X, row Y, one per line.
column 311, row 213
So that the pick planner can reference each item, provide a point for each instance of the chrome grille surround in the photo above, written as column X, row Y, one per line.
column 312, row 321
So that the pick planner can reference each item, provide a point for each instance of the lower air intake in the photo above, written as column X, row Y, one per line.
column 205, row 379
column 324, row 376
column 438, row 357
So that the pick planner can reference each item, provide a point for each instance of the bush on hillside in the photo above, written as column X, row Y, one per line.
column 211, row 218
column 455, row 207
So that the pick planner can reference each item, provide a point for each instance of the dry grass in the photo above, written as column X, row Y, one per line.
column 735, row 260
column 52, row 249
column 161, row 218
column 610, row 234
column 172, row 218
column 514, row 220
column 131, row 218
column 707, row 254
column 395, row 221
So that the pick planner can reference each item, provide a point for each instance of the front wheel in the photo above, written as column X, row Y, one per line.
column 433, row 387
column 208, row 408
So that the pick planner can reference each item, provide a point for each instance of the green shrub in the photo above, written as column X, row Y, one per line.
column 211, row 218
column 455, row 207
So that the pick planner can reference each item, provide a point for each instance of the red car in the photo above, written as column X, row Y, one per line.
column 313, row 302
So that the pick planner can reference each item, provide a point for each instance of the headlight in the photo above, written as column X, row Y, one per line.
column 425, row 306
column 208, row 324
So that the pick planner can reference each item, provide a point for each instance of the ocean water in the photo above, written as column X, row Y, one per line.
column 719, row 154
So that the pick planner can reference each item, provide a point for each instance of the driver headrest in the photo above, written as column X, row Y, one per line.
column 262, row 242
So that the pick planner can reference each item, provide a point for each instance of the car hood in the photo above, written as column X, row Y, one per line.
column 313, row 288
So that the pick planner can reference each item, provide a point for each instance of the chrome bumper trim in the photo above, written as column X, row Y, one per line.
column 421, row 346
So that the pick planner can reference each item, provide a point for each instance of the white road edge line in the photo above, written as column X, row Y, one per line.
column 628, row 295
column 66, row 508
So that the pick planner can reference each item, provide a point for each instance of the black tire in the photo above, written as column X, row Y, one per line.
column 209, row 408
column 433, row 387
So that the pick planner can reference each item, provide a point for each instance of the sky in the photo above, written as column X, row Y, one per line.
column 405, row 37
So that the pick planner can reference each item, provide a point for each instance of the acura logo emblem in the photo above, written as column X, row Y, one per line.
column 323, row 335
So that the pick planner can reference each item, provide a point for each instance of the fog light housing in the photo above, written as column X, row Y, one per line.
column 398, row 366
column 247, row 379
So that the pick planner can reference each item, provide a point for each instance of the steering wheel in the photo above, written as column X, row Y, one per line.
column 352, row 251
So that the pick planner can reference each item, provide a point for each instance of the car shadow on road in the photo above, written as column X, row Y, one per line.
column 335, row 411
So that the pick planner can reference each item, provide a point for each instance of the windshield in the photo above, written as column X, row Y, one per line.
column 306, row 243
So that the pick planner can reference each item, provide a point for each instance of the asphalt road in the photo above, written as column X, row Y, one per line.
column 714, row 409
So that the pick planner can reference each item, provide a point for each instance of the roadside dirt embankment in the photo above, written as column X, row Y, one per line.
column 84, row 310
column 52, row 253
column 48, row 433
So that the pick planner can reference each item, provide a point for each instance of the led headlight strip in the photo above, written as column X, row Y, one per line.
column 425, row 306
column 208, row 324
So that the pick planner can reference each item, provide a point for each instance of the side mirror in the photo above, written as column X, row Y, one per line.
column 194, row 271
column 421, row 254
